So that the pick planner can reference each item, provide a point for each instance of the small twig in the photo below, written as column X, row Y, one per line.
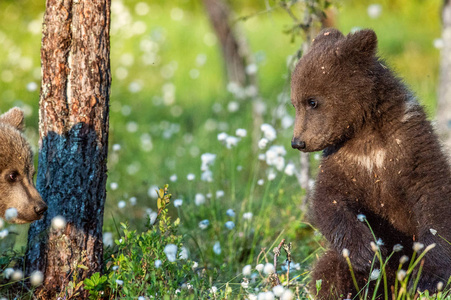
column 287, row 249
column 277, row 252
column 261, row 252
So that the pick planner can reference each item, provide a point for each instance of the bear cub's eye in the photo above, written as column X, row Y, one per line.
column 13, row 176
column 312, row 103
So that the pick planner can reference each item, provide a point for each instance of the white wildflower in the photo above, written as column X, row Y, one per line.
column 374, row 11
column 230, row 212
column 233, row 106
column 230, row 225
column 208, row 160
column 375, row 274
column 121, row 204
column 269, row 132
column 278, row 290
column 401, row 275
column 119, row 282
column 183, row 253
column 17, row 275
column 132, row 201
column 207, row 176
column 10, row 214
column 4, row 233
column 153, row 217
column 213, row 289
column 245, row 283
column 261, row 156
column 158, row 263
column 440, row 286
column 8, row 272
column 260, row 182
column 116, row 147
column 271, row 175
column 247, row 216
column 287, row 295
column 190, row 176
column 231, row 141
column 36, row 278
column 222, row 136
column 108, row 239
column 240, row 132
column 268, row 269
column 361, row 217
column 199, row 199
column 219, row 194
column 417, row 246
column 374, row 247
column 345, row 253
column 173, row 178
column 171, row 251
column 397, row 248
column 403, row 259
column 265, row 296
column 152, row 192
column 263, row 143
column 217, row 248
column 204, row 224
column 58, row 222
column 259, row 267
column 433, row 231
column 247, row 269
column 290, row 169
column 114, row 186
column 178, row 202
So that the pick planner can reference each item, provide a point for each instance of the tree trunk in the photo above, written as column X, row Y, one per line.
column 444, row 99
column 234, row 46
column 73, row 143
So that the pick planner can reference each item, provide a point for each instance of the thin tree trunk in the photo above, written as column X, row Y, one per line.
column 444, row 99
column 73, row 130
column 237, row 56
column 233, row 45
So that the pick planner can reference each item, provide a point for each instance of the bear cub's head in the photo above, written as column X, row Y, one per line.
column 17, row 190
column 332, row 88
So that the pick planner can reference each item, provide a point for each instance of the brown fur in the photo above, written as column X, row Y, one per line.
column 381, row 158
column 17, row 188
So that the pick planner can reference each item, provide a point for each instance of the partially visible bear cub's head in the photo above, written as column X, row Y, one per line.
column 333, row 88
column 17, row 189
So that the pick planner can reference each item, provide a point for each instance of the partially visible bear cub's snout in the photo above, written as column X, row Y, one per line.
column 17, row 190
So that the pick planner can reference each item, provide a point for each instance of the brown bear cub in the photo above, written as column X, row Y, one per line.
column 17, row 171
column 381, row 159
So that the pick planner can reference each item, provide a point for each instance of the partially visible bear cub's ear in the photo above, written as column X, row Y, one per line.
column 362, row 43
column 13, row 117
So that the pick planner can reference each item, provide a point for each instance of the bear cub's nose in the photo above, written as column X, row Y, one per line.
column 40, row 209
column 297, row 144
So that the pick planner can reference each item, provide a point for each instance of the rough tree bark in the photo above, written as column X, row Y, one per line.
column 444, row 99
column 73, row 143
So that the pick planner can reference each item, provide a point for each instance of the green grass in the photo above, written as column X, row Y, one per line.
column 185, row 124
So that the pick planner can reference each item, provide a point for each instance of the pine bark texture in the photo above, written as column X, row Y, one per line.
column 73, row 126
column 444, row 99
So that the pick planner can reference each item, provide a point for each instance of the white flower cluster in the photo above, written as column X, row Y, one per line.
column 208, row 160
column 231, row 141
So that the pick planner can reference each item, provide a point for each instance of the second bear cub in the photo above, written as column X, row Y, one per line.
column 381, row 160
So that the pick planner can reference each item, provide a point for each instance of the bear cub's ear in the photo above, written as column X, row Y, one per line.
column 14, row 117
column 327, row 35
column 362, row 43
